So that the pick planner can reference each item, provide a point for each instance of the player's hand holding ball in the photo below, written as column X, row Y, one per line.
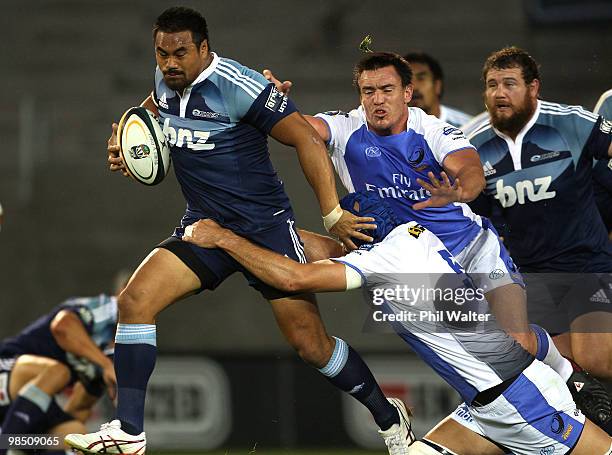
column 114, row 158
column 205, row 233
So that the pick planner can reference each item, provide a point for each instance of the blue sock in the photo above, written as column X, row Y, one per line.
column 347, row 371
column 135, row 354
column 28, row 409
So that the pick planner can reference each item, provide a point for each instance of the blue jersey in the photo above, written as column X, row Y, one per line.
column 390, row 165
column 602, row 172
column 218, row 129
column 541, row 183
column 98, row 315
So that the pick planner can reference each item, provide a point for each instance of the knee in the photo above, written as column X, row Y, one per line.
column 60, row 372
column 598, row 362
column 132, row 307
column 315, row 351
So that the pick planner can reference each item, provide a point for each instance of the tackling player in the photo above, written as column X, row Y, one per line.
column 388, row 148
column 537, row 158
column 428, row 89
column 217, row 115
column 517, row 402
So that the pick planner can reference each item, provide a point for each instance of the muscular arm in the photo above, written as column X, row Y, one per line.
column 465, row 165
column 71, row 336
column 294, row 130
column 280, row 271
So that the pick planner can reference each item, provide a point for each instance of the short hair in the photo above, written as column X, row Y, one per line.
column 512, row 57
column 433, row 65
column 180, row 19
column 377, row 60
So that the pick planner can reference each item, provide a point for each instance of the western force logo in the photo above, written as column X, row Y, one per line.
column 139, row 151
column 416, row 157
column 372, row 152
column 496, row 274
column 523, row 191
column 557, row 426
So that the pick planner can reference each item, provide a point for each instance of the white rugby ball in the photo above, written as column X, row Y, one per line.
column 143, row 146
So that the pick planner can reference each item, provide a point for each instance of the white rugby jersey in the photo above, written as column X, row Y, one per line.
column 454, row 116
column 470, row 357
column 390, row 165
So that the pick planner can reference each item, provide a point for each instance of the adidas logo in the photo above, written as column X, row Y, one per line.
column 163, row 102
column 600, row 296
column 488, row 169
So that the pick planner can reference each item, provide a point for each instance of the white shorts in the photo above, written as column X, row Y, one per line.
column 487, row 261
column 535, row 415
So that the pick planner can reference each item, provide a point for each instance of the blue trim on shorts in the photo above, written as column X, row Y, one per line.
column 533, row 407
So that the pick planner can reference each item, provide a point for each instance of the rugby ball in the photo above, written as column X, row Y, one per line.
column 143, row 146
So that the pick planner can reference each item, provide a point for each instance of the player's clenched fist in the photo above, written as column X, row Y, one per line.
column 114, row 158
column 205, row 233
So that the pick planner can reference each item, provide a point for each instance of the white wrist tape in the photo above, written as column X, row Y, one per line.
column 332, row 218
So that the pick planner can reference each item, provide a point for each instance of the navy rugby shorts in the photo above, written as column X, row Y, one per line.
column 213, row 266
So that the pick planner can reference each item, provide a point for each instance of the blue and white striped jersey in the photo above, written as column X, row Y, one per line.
column 390, row 165
column 402, row 273
column 542, row 184
column 98, row 315
column 602, row 171
column 453, row 116
column 218, row 129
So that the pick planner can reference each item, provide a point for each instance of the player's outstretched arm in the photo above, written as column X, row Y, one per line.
column 71, row 335
column 295, row 131
column 465, row 168
column 276, row 270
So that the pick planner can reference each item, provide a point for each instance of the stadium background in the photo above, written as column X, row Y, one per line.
column 72, row 67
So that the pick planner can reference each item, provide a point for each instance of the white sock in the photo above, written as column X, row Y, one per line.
column 549, row 354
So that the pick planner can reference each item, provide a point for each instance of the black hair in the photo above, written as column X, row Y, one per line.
column 376, row 60
column 433, row 65
column 180, row 19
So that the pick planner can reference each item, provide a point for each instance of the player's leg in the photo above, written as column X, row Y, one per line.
column 593, row 441
column 300, row 322
column 33, row 382
column 161, row 279
column 450, row 437
column 591, row 343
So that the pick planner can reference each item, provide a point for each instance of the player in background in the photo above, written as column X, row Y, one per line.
column 217, row 115
column 71, row 343
column 537, row 157
column 602, row 174
column 391, row 149
column 428, row 89
column 516, row 401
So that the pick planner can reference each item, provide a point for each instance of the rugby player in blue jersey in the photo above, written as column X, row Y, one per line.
column 538, row 158
column 217, row 115
column 602, row 171
column 513, row 401
column 71, row 343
